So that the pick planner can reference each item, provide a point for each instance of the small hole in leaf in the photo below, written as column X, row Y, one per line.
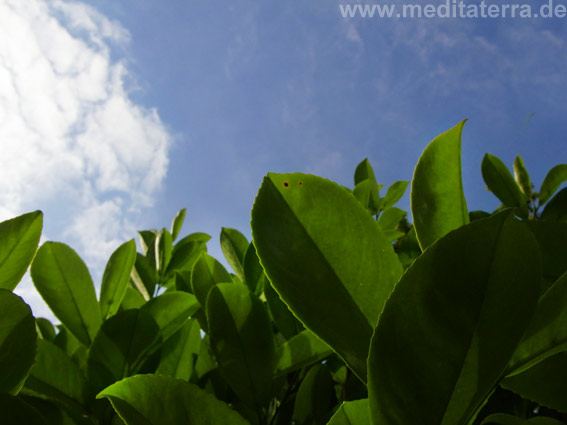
column 300, row 183
column 286, row 184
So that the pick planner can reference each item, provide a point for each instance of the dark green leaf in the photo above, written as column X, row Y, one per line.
column 159, row 400
column 234, row 245
column 19, row 238
column 556, row 209
column 115, row 278
column 16, row 411
column 144, row 277
column 352, row 413
column 184, row 258
column 132, row 299
column 302, row 350
column 551, row 238
column 171, row 310
column 500, row 182
column 179, row 352
column 64, row 282
column 314, row 398
column 177, row 223
column 554, row 178
column 327, row 258
column 363, row 172
column 148, row 243
column 283, row 318
column 17, row 342
column 503, row 419
column 121, row 347
column 45, row 329
column 543, row 383
column 438, row 203
column 367, row 193
column 193, row 237
column 522, row 177
column 242, row 340
column 394, row 193
column 453, row 297
column 206, row 273
column 253, row 272
column 389, row 222
column 57, row 378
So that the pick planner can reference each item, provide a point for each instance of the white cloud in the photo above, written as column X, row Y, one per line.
column 72, row 141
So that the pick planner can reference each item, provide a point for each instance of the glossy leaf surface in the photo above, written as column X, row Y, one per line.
column 177, row 223
column 300, row 351
column 522, row 177
column 158, row 400
column 438, row 203
column 17, row 341
column 242, row 340
column 179, row 352
column 352, row 413
column 327, row 259
column 19, row 238
column 234, row 245
column 64, row 282
column 453, row 297
column 394, row 193
column 171, row 310
column 115, row 278
column 206, row 273
column 554, row 178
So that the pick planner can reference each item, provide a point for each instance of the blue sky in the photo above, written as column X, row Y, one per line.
column 140, row 108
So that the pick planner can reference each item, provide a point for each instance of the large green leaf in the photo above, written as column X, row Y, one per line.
column 551, row 238
column 19, row 238
column 115, row 278
column 17, row 341
column 64, row 282
column 158, row 400
column 442, row 343
column 438, row 203
column 554, row 178
column 206, row 273
column 242, row 340
column 394, row 193
column 163, row 250
column 283, row 318
column 185, row 257
column 177, row 223
column 504, row 419
column 352, row 413
column 179, row 352
column 171, row 310
column 57, row 378
column 17, row 411
column 499, row 181
column 302, row 350
column 254, row 275
column 547, row 333
column 327, row 258
column 121, row 347
column 543, row 383
column 144, row 277
column 234, row 245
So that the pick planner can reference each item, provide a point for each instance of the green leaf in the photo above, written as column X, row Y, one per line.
column 158, row 400
column 234, row 245
column 363, row 172
column 556, row 208
column 132, row 299
column 19, row 238
column 64, row 282
column 179, row 351
column 453, row 296
column 315, row 398
column 283, row 318
column 389, row 221
column 164, row 246
column 177, row 223
column 547, row 334
column 171, row 310
column 148, row 244
column 500, row 182
column 394, row 193
column 253, row 272
column 554, row 178
column 503, row 419
column 302, row 350
column 45, row 329
column 551, row 238
column 543, row 383
column 17, row 342
column 184, row 258
column 17, row 411
column 242, row 340
column 193, row 237
column 115, row 278
column 522, row 177
column 206, row 273
column 352, row 413
column 438, row 203
column 327, row 258
column 57, row 378
column 121, row 347
column 367, row 193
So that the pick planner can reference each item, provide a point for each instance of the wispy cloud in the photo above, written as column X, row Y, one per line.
column 73, row 142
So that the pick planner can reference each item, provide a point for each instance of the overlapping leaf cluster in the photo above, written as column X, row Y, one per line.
column 338, row 312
